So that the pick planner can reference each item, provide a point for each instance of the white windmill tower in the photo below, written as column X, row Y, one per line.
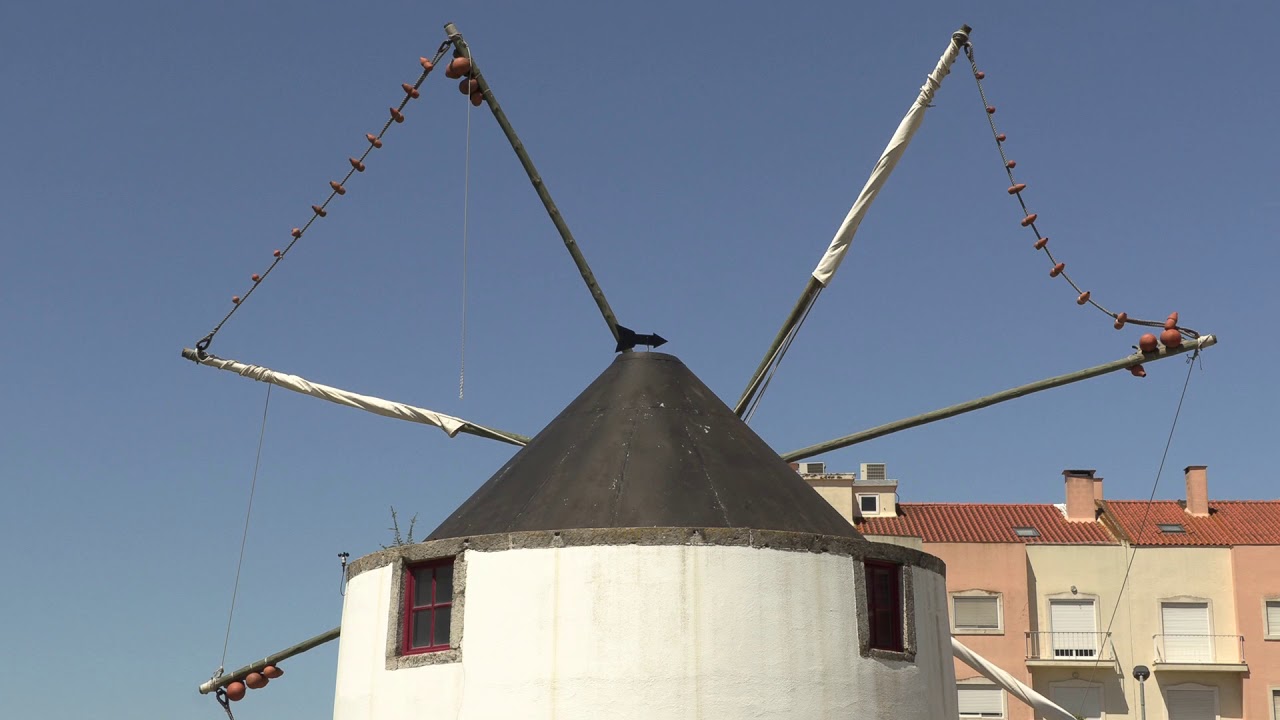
column 647, row 555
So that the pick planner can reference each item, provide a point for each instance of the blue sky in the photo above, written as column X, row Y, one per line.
column 157, row 153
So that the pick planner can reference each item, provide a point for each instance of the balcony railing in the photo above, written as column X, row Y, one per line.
column 1069, row 646
column 1198, row 649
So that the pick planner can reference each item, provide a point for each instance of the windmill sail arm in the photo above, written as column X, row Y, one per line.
column 222, row 680
column 1125, row 363
column 387, row 408
column 1044, row 707
column 540, row 187
column 835, row 253
column 893, row 152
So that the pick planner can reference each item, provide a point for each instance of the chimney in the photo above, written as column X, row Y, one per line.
column 1082, row 489
column 1197, row 490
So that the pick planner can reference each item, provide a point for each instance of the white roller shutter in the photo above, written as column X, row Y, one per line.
column 1083, row 701
column 981, row 701
column 1273, row 622
column 1074, row 627
column 1186, row 632
column 1192, row 705
column 977, row 613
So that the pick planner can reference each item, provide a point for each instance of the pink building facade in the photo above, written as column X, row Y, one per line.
column 1257, row 571
column 999, row 569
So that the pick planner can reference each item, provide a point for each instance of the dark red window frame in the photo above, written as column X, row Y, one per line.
column 428, row 592
column 884, row 605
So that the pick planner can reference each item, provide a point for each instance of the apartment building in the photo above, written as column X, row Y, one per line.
column 1036, row 588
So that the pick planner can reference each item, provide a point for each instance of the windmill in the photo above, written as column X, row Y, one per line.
column 648, row 484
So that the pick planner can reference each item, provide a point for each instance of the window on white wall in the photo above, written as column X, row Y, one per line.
column 975, row 613
column 980, row 701
column 884, row 605
column 869, row 504
column 428, row 607
column 1273, row 621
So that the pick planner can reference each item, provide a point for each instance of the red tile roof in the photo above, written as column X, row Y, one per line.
column 1230, row 522
column 985, row 523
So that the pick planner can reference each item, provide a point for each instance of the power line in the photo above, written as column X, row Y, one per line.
column 1142, row 525
column 253, row 485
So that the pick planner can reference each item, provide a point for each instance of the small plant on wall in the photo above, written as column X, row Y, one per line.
column 396, row 538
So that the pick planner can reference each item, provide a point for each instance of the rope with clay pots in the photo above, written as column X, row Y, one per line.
column 458, row 67
column 1172, row 333
column 336, row 188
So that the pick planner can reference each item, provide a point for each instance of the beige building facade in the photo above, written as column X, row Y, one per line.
column 1070, row 598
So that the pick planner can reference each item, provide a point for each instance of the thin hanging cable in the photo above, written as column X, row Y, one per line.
column 1142, row 526
column 777, row 359
column 253, row 485
column 466, row 201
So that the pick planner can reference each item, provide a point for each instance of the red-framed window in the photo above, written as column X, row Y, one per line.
column 428, row 606
column 884, row 605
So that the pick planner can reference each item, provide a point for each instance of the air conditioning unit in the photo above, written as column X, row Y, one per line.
column 813, row 468
column 873, row 472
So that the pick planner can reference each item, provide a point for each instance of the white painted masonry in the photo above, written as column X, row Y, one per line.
column 704, row 632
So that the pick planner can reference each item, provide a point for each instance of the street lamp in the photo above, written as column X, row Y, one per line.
column 1141, row 673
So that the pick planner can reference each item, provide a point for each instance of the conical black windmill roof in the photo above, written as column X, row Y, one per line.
column 645, row 445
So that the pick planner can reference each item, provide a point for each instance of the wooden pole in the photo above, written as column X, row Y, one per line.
column 223, row 680
column 806, row 299
column 540, row 187
column 1123, row 363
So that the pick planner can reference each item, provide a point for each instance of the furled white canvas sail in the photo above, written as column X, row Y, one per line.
column 880, row 174
column 387, row 408
column 1044, row 707
column 839, row 246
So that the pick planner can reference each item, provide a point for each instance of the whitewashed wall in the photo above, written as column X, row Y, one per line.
column 655, row 632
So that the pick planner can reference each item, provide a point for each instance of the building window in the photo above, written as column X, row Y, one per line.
column 428, row 606
column 980, row 701
column 1186, row 635
column 1192, row 701
column 1272, row 620
column 1084, row 699
column 1026, row 532
column 975, row 613
column 1275, row 705
column 1074, row 629
column 869, row 504
column 1171, row 528
column 884, row 605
